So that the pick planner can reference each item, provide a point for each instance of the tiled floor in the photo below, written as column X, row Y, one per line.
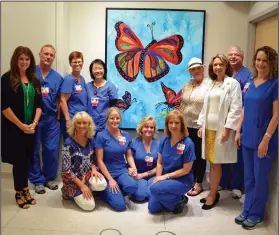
column 53, row 216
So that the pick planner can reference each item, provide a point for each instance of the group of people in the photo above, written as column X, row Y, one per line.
column 229, row 119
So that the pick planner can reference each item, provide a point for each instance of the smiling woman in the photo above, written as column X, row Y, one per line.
column 21, row 111
column 73, row 92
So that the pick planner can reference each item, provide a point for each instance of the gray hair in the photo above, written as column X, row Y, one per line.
column 237, row 48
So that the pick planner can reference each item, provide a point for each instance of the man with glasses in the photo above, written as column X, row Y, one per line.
column 243, row 75
column 48, row 133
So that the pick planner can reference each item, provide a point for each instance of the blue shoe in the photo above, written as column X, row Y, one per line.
column 250, row 224
column 240, row 219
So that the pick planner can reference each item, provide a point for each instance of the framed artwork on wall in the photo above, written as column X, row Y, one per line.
column 147, row 52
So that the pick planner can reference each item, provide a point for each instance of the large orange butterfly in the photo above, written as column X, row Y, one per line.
column 149, row 60
column 173, row 100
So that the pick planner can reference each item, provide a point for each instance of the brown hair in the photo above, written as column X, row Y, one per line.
column 75, row 55
column 30, row 72
column 272, row 60
column 180, row 116
column 225, row 61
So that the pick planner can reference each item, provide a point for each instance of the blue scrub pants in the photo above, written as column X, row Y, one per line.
column 166, row 194
column 63, row 128
column 256, row 180
column 143, row 191
column 237, row 177
column 48, row 134
column 127, row 185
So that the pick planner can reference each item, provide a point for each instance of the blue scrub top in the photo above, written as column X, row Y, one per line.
column 52, row 82
column 258, row 106
column 114, row 152
column 244, row 76
column 104, row 94
column 78, row 99
column 173, row 161
column 139, row 153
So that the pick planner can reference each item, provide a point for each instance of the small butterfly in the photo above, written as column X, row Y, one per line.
column 172, row 99
column 126, row 101
column 151, row 60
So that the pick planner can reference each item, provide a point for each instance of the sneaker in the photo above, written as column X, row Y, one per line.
column 51, row 185
column 40, row 189
column 240, row 219
column 220, row 188
column 250, row 224
column 236, row 194
column 185, row 200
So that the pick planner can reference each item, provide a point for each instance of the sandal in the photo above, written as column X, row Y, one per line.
column 28, row 197
column 192, row 193
column 19, row 196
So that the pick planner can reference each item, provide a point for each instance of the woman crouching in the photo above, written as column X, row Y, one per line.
column 79, row 174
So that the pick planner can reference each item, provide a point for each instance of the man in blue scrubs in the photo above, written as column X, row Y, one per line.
column 243, row 75
column 48, row 133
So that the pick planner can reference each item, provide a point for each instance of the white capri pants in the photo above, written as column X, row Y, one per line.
column 94, row 185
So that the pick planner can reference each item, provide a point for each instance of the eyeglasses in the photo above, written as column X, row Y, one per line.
column 77, row 62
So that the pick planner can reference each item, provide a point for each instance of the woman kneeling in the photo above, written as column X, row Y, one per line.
column 174, row 176
column 79, row 174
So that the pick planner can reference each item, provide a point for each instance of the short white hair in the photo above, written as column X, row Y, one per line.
column 237, row 48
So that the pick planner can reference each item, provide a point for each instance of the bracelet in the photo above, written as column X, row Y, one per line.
column 35, row 122
column 268, row 135
column 168, row 176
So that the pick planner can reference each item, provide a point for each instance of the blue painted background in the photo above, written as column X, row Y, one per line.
column 189, row 24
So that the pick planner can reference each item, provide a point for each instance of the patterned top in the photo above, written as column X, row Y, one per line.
column 192, row 101
column 76, row 159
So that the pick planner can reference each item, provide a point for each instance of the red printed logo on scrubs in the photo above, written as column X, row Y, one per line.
column 149, row 160
column 122, row 140
column 78, row 89
column 180, row 148
column 94, row 101
column 246, row 86
column 45, row 91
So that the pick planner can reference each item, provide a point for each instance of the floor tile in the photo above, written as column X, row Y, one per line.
column 16, row 231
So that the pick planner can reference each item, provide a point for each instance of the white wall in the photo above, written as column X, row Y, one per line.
column 226, row 24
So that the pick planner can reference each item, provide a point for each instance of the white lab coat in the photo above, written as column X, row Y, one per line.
column 229, row 113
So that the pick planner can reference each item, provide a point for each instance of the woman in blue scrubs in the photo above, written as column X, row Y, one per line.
column 113, row 152
column 73, row 92
column 145, row 152
column 174, row 175
column 259, row 139
column 101, row 94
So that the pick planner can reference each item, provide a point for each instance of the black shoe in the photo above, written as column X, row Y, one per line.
column 178, row 208
column 185, row 200
column 208, row 207
column 203, row 200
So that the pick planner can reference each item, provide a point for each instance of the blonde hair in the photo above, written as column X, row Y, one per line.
column 180, row 116
column 82, row 116
column 111, row 109
column 142, row 122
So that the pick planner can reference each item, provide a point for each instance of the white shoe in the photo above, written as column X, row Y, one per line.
column 236, row 194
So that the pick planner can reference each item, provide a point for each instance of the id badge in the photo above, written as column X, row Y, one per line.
column 122, row 140
column 45, row 91
column 149, row 160
column 180, row 148
column 94, row 101
column 78, row 88
column 246, row 86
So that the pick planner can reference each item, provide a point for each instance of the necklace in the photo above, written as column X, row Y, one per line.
column 218, row 83
column 26, row 87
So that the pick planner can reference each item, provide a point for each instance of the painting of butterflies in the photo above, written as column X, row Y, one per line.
column 150, row 60
column 173, row 100
column 126, row 101
column 147, row 54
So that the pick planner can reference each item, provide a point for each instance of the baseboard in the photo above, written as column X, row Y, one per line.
column 6, row 174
